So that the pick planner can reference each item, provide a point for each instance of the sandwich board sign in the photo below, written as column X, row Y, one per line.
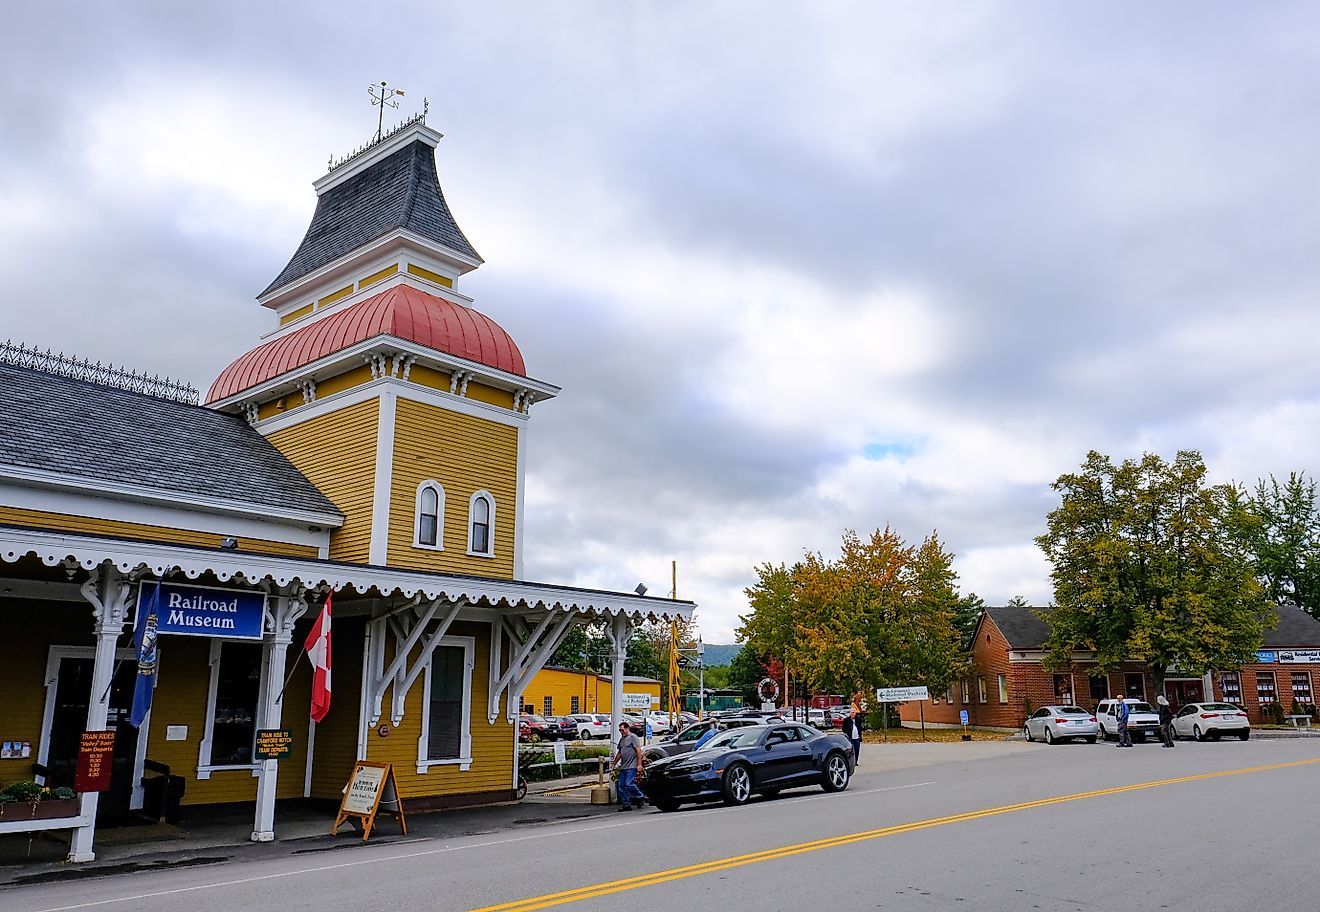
column 370, row 790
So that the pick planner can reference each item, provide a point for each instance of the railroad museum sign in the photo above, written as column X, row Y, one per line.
column 203, row 611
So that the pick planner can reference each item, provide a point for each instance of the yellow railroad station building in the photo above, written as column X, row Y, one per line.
column 370, row 446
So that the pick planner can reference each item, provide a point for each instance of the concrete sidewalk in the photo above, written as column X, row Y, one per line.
column 210, row 836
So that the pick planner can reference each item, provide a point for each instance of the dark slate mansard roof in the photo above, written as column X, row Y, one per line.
column 1025, row 629
column 53, row 423
column 399, row 191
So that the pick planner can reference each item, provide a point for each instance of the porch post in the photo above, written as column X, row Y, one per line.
column 279, row 634
column 109, row 593
column 619, row 631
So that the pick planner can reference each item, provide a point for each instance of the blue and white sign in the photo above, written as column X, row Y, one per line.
column 231, row 614
column 1299, row 656
column 962, row 716
column 1267, row 656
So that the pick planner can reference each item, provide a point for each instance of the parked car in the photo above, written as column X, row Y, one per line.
column 1143, row 720
column 567, row 727
column 1053, row 724
column 686, row 739
column 1210, row 720
column 659, row 723
column 538, row 729
column 592, row 725
column 754, row 759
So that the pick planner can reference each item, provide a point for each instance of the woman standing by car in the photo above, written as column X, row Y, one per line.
column 1166, row 720
column 852, row 730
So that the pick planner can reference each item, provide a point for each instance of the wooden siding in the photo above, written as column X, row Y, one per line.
column 337, row 733
column 492, row 744
column 64, row 522
column 439, row 380
column 28, row 630
column 337, row 452
column 465, row 455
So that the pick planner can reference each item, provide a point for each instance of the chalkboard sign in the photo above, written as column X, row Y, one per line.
column 371, row 790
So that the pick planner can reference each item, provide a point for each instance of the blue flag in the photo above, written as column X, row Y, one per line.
column 144, row 642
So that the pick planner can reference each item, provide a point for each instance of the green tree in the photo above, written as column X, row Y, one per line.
column 1282, row 529
column 1149, row 563
column 966, row 613
column 745, row 672
column 1017, row 601
column 648, row 654
column 583, row 646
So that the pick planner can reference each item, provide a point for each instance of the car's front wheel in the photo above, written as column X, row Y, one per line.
column 666, row 804
column 836, row 773
column 1026, row 732
column 737, row 788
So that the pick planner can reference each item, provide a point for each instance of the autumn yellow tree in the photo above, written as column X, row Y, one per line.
column 883, row 613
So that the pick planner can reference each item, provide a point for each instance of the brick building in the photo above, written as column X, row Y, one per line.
column 1009, row 680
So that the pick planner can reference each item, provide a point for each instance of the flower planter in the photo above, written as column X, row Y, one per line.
column 50, row 809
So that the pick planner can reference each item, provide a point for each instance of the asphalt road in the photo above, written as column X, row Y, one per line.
column 1216, row 826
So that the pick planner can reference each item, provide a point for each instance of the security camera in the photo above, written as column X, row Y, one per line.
column 229, row 543
column 641, row 589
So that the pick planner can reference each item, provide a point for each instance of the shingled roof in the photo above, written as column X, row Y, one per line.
column 399, row 191
column 1020, row 626
column 64, row 426
column 1024, row 629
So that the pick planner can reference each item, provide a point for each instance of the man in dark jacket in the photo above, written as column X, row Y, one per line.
column 1166, row 720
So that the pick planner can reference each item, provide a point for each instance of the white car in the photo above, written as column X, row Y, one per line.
column 1143, row 720
column 591, row 725
column 1210, row 720
column 659, row 722
column 1053, row 724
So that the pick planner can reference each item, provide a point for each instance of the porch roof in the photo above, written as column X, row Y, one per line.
column 159, row 559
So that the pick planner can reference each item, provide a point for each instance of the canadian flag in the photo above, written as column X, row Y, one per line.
column 318, row 651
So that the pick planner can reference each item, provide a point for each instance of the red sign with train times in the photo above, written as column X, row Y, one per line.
column 96, row 755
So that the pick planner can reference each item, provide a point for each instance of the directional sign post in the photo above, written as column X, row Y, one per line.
column 918, row 695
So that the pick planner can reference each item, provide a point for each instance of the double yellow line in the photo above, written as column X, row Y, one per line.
column 723, row 864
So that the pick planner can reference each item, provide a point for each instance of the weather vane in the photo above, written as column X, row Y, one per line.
column 380, row 97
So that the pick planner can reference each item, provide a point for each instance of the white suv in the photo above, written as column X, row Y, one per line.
column 1143, row 720
column 591, row 725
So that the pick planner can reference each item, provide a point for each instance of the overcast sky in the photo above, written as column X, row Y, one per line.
column 797, row 267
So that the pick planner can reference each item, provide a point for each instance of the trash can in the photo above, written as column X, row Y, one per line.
column 161, row 796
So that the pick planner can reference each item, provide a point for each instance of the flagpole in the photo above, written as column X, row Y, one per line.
column 280, row 698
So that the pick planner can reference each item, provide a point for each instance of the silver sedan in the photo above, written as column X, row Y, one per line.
column 1052, row 724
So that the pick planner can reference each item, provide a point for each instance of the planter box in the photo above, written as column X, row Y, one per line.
column 51, row 809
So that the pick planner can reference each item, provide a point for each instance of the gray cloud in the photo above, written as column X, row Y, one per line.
column 748, row 244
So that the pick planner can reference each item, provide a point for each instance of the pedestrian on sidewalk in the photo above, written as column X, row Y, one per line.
column 1166, row 720
column 1124, row 711
column 629, row 762
column 852, row 730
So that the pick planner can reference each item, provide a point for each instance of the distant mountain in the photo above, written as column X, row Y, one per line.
column 721, row 655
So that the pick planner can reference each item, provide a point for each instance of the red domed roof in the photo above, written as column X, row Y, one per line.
column 401, row 311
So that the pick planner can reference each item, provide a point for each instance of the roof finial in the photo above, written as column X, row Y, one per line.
column 380, row 98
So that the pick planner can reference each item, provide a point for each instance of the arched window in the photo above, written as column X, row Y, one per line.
column 481, row 525
column 429, row 530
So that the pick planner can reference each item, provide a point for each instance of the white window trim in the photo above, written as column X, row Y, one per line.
column 464, row 760
column 490, row 524
column 439, row 516
column 204, row 766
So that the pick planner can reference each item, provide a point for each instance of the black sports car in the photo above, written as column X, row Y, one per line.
column 757, row 759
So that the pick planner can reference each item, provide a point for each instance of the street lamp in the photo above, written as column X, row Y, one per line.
column 701, row 679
